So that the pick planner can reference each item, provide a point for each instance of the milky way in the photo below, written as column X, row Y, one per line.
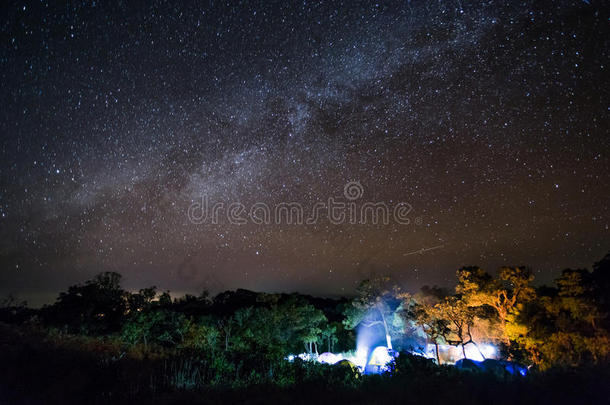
column 489, row 119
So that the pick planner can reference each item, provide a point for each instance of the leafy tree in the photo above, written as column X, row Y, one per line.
column 378, row 302
column 564, row 326
column 278, row 329
column 192, row 305
column 165, row 299
column 157, row 326
column 577, row 336
column 505, row 294
column 430, row 318
column 141, row 300
column 202, row 336
column 458, row 318
column 329, row 336
column 600, row 279
column 98, row 306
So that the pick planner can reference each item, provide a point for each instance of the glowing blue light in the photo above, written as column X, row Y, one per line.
column 380, row 356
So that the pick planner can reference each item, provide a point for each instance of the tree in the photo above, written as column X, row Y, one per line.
column 141, row 300
column 458, row 318
column 577, row 336
column 98, row 306
column 377, row 303
column 600, row 279
column 277, row 329
column 306, row 321
column 159, row 326
column 107, row 281
column 202, row 336
column 165, row 299
column 505, row 294
column 328, row 334
column 474, row 283
column 430, row 318
column 562, row 326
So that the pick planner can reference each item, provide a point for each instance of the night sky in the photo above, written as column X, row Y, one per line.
column 489, row 119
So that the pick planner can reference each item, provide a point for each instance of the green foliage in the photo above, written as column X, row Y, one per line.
column 564, row 326
column 58, row 368
column 550, row 327
column 145, row 342
column 328, row 336
column 378, row 302
column 278, row 329
column 156, row 326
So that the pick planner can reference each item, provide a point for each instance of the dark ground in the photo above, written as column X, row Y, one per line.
column 36, row 371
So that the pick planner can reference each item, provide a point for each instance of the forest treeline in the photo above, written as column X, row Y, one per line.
column 147, row 341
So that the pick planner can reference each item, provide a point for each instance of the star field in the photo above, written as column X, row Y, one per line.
column 489, row 118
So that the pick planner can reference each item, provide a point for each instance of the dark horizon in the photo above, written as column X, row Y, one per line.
column 38, row 300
